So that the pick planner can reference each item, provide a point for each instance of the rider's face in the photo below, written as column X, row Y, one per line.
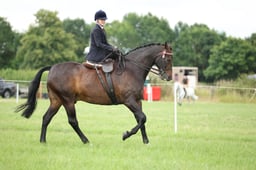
column 101, row 22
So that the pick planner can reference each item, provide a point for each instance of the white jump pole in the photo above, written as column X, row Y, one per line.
column 149, row 91
column 175, row 106
column 17, row 93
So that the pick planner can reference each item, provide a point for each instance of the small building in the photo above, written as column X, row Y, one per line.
column 189, row 73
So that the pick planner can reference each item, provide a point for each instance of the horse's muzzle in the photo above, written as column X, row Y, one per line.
column 169, row 78
column 165, row 76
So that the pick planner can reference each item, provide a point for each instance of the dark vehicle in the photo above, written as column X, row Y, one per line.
column 7, row 89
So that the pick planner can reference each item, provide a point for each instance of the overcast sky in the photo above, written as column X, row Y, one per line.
column 236, row 18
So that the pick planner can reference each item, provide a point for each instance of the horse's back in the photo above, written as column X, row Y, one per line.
column 63, row 71
column 65, row 66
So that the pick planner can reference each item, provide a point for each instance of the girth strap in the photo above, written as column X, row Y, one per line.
column 110, row 91
column 112, row 94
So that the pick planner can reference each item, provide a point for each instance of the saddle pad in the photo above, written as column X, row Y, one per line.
column 106, row 67
column 91, row 65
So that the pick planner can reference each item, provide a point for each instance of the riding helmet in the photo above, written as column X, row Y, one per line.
column 100, row 15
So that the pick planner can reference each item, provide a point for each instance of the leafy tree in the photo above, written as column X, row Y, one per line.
column 46, row 42
column 179, row 28
column 122, row 35
column 81, row 32
column 252, row 54
column 193, row 44
column 137, row 30
column 230, row 59
column 252, row 39
column 8, row 43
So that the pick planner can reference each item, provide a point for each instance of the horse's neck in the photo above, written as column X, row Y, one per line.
column 141, row 57
column 138, row 67
column 141, row 60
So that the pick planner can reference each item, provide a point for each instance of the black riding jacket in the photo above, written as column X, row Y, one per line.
column 99, row 46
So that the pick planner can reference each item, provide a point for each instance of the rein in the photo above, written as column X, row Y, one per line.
column 121, row 63
column 155, row 71
column 147, row 68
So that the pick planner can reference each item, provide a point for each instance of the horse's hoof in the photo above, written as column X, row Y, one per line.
column 125, row 135
column 146, row 141
column 86, row 142
column 43, row 141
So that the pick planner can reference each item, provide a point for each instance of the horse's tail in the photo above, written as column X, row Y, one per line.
column 30, row 105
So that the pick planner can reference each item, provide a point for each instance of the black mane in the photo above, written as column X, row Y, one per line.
column 142, row 46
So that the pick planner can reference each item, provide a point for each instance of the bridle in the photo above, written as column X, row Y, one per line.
column 162, row 64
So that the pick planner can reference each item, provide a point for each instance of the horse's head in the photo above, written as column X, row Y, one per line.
column 146, row 56
column 164, row 63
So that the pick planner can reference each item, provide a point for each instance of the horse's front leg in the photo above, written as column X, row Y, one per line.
column 144, row 134
column 136, row 108
column 143, row 127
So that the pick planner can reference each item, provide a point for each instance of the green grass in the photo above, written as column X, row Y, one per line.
column 210, row 136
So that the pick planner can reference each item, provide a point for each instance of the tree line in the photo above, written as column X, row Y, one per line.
column 49, row 41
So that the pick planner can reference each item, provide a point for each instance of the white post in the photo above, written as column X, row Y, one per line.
column 149, row 91
column 17, row 93
column 175, row 106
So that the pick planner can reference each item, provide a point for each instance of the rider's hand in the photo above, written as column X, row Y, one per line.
column 115, row 49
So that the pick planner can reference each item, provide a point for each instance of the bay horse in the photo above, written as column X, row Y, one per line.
column 70, row 82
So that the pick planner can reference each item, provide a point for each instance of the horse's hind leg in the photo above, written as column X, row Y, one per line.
column 52, row 110
column 71, row 112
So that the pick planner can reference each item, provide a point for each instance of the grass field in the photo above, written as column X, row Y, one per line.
column 210, row 136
